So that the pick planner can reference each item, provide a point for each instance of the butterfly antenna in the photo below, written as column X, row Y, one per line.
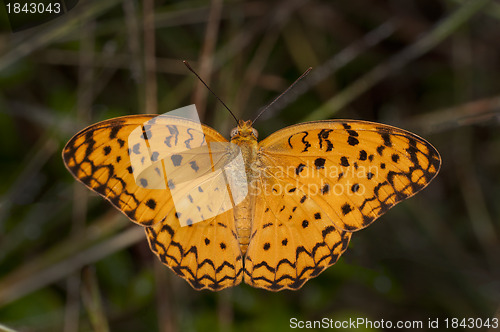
column 205, row 84
column 283, row 93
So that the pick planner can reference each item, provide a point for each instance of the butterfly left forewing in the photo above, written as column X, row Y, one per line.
column 104, row 157
column 98, row 157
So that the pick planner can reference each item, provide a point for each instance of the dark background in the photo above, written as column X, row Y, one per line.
column 70, row 262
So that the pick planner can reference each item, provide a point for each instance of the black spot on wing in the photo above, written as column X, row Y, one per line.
column 176, row 159
column 307, row 145
column 325, row 189
column 323, row 138
column 319, row 163
column 114, row 131
column 380, row 149
column 346, row 208
column 187, row 142
column 327, row 231
column 363, row 155
column 151, row 203
column 387, row 139
column 107, row 150
column 194, row 165
column 351, row 140
column 136, row 148
column 299, row 168
column 174, row 135
column 353, row 133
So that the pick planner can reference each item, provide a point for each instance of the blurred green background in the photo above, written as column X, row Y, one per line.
column 71, row 262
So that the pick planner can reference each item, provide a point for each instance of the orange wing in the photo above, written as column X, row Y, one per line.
column 321, row 181
column 206, row 254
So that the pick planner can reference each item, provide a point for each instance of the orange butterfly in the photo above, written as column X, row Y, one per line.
column 303, row 191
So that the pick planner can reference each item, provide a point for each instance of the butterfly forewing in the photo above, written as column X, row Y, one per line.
column 354, row 170
column 101, row 157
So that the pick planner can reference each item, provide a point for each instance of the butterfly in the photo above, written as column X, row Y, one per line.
column 272, row 214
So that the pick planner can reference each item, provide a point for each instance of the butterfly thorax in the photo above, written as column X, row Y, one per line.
column 246, row 138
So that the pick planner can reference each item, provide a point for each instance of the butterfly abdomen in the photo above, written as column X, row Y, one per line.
column 243, row 212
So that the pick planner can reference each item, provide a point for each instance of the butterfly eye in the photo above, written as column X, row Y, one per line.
column 255, row 133
column 234, row 132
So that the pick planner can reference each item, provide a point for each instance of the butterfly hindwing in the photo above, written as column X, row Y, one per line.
column 289, row 243
column 206, row 254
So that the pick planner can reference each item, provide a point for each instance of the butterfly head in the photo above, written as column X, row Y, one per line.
column 244, row 130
